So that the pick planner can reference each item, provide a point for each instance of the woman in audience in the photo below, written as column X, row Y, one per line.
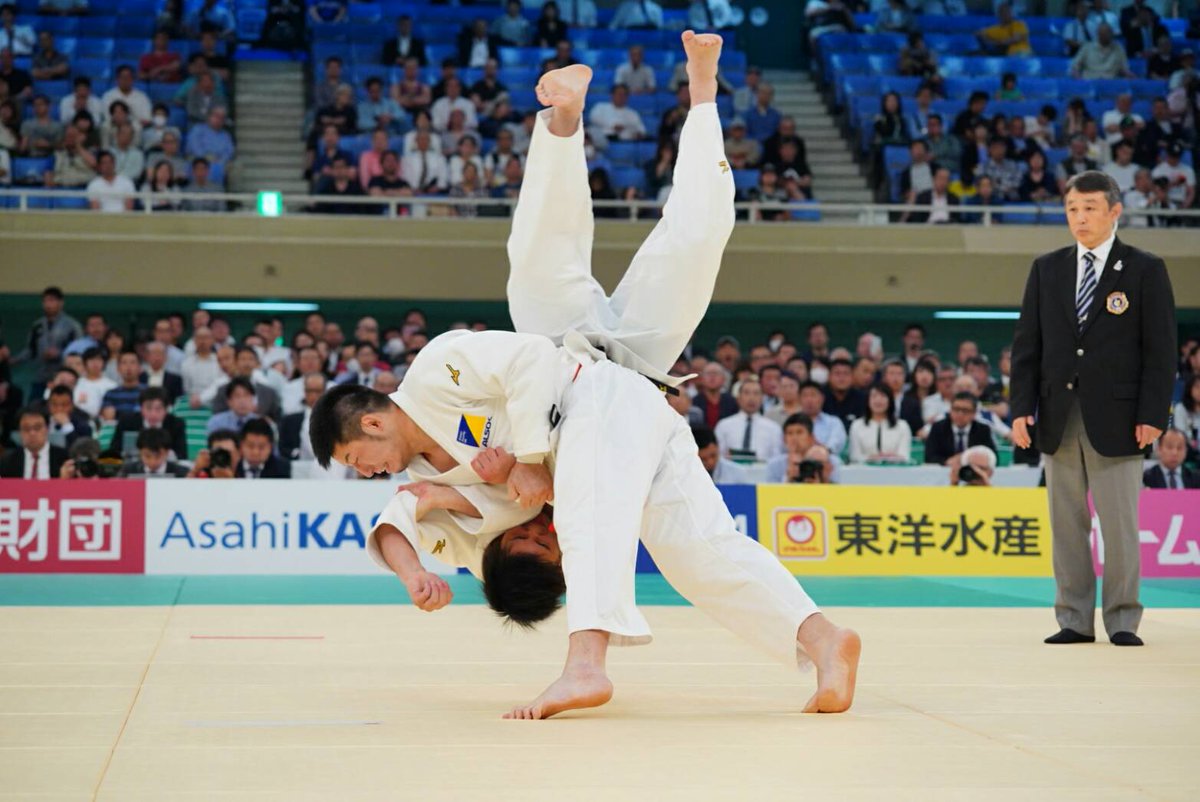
column 1075, row 119
column 769, row 191
column 470, row 185
column 118, row 115
column 86, row 125
column 10, row 125
column 114, row 344
column 660, row 169
column 468, row 153
column 1187, row 413
column 881, row 436
column 456, row 129
column 922, row 385
column 889, row 130
column 1008, row 88
column 161, row 193
column 550, row 28
column 1039, row 184
column 602, row 189
column 369, row 162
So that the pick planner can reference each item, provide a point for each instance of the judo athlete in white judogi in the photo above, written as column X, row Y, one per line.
column 625, row 463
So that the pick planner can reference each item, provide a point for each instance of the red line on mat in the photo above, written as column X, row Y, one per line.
column 257, row 637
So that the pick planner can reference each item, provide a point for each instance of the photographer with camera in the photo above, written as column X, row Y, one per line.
column 973, row 467
column 36, row 459
column 154, row 456
column 86, row 462
column 805, row 460
column 220, row 459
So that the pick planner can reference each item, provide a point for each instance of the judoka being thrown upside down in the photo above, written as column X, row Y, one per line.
column 493, row 426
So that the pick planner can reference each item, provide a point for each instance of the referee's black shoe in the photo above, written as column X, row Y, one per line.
column 1070, row 636
column 1125, row 639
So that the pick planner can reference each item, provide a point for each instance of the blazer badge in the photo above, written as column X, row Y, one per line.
column 1117, row 303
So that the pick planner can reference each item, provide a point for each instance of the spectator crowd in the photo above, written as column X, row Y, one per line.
column 799, row 409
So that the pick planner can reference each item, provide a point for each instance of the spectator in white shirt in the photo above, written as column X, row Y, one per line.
column 1111, row 121
column 616, row 120
column 636, row 74
column 200, row 368
column 308, row 362
column 881, row 436
column 452, row 101
column 468, row 153
column 80, row 99
column 134, row 98
column 424, row 167
column 129, row 159
column 1122, row 168
column 937, row 404
column 110, row 191
column 713, row 15
column 1181, row 179
column 1142, row 196
column 20, row 39
column 639, row 14
column 93, row 384
column 800, row 445
column 749, row 430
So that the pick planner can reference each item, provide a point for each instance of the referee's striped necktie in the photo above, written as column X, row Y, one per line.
column 1087, row 289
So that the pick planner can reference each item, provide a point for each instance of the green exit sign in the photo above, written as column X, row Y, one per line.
column 270, row 204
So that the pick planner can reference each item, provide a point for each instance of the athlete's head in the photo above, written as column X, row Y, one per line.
column 361, row 428
column 522, row 573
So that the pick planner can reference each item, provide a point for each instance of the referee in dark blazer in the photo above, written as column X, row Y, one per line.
column 1093, row 368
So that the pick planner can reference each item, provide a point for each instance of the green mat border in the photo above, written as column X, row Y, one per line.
column 126, row 590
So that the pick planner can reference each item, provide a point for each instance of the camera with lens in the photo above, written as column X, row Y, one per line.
column 810, row 470
column 968, row 474
column 220, row 458
column 93, row 467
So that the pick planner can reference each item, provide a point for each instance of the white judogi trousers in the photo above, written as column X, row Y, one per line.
column 626, row 462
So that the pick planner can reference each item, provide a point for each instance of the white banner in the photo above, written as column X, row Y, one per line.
column 298, row 526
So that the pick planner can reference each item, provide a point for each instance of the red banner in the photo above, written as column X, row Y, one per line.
column 77, row 526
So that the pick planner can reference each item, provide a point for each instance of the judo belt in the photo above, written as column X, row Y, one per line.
column 662, row 388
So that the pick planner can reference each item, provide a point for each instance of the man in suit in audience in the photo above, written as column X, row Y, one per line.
column 293, row 430
column 153, row 414
column 476, row 45
column 67, row 424
column 157, row 375
column 36, row 458
column 259, row 460
column 404, row 45
column 154, row 456
column 1093, row 370
column 1170, row 473
column 957, row 432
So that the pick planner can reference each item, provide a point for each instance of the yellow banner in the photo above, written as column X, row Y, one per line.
column 944, row 531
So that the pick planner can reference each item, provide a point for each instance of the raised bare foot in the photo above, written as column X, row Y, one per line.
column 837, row 670
column 703, row 51
column 574, row 690
column 565, row 88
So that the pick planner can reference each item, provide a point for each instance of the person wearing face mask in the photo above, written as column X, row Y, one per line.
column 152, row 134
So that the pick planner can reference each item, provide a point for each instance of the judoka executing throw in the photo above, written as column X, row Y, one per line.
column 494, row 425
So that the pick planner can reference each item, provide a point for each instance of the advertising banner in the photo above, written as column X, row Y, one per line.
column 299, row 526
column 887, row 531
column 84, row 527
column 1169, row 521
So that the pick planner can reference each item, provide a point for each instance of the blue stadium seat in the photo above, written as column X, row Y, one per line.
column 366, row 52
column 366, row 13
column 880, row 42
column 860, row 85
column 139, row 8
column 355, row 144
column 647, row 104
column 624, row 154
column 960, row 87
column 54, row 90
column 39, row 202
column 30, row 170
column 520, row 77
column 103, row 8
column 1056, row 155
column 438, row 53
column 323, row 50
column 882, row 63
column 1147, row 89
column 437, row 32
column 131, row 49
column 160, row 92
column 1047, row 45
column 1070, row 88
column 372, row 32
column 1038, row 88
column 141, row 27
column 396, row 143
column 98, row 27
column 625, row 177
column 745, row 180
column 70, row 203
column 733, row 60
column 59, row 26
column 99, row 70
column 95, row 48
column 905, row 85
column 250, row 23
column 1044, row 26
column 810, row 215
column 330, row 33
column 523, row 100
column 849, row 64
column 1138, row 66
column 1111, row 87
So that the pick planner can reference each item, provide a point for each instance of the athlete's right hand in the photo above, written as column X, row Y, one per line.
column 428, row 591
column 530, row 485
column 493, row 465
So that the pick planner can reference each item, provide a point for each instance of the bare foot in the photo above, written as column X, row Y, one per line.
column 574, row 690
column 565, row 88
column 703, row 51
column 837, row 671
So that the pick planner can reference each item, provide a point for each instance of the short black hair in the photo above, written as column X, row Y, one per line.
column 65, row 369
column 1095, row 181
column 337, row 417
column 82, row 80
column 53, row 292
column 799, row 419
column 704, row 436
column 975, row 361
column 965, row 396
column 154, row 440
column 771, row 366
column 260, row 427
column 218, row 435
column 812, row 385
column 62, row 389
column 153, row 394
column 914, row 326
column 33, row 411
column 521, row 588
column 242, row 349
column 239, row 381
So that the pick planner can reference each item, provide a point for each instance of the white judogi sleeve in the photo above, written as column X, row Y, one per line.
column 490, row 372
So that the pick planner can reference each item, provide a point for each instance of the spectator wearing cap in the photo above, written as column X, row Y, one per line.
column 637, row 15
column 1102, row 58
column 379, row 111
column 1180, row 178
column 723, row 471
column 614, row 119
column 743, row 153
column 762, row 119
column 635, row 74
column 748, row 431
